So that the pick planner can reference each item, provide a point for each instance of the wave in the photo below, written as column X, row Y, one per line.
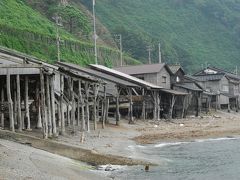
column 170, row 144
column 216, row 139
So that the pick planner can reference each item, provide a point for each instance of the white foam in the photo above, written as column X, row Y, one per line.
column 170, row 144
column 216, row 139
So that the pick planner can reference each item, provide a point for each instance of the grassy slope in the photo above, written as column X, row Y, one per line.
column 17, row 23
column 192, row 32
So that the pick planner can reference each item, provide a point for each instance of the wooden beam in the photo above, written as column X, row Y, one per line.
column 173, row 100
column 43, row 110
column 19, row 115
column 107, row 109
column 87, row 105
column 95, row 106
column 49, row 109
column 10, row 102
column 117, row 108
column 73, row 111
column 158, row 105
column 131, row 107
column 38, row 105
column 54, row 126
column 83, row 128
column 61, row 105
column 27, row 115
column 2, row 100
column 143, row 105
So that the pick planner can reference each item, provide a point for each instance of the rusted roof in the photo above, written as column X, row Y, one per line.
column 143, row 69
column 125, row 76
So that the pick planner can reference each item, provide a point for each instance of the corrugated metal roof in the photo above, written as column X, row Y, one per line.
column 98, row 74
column 141, row 69
column 124, row 76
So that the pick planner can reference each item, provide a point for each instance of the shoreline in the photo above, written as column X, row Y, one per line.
column 112, row 144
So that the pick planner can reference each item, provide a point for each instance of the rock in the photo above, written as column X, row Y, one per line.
column 181, row 125
column 155, row 126
column 109, row 168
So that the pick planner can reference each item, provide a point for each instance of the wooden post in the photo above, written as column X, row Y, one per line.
column 38, row 105
column 95, row 106
column 44, row 119
column 143, row 105
column 155, row 105
column 73, row 118
column 107, row 109
column 49, row 109
column 158, row 105
column 131, row 107
column 19, row 115
column 173, row 100
column 2, row 100
column 54, row 126
column 10, row 101
column 26, row 104
column 87, row 105
column 82, row 105
column 61, row 105
column 117, row 108
column 183, row 109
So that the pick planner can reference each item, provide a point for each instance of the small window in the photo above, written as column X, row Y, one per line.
column 177, row 79
column 225, row 88
column 141, row 77
column 164, row 79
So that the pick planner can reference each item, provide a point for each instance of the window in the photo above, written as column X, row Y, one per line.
column 177, row 79
column 141, row 77
column 164, row 79
column 225, row 88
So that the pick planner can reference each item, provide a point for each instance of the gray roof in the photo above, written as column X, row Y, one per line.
column 175, row 68
column 189, row 85
column 124, row 76
column 141, row 69
column 97, row 74
column 209, row 77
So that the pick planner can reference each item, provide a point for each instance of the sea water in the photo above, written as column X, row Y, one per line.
column 213, row 159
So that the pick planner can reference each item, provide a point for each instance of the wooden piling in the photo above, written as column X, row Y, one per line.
column 27, row 115
column 10, row 101
column 19, row 115
column 49, row 109
column 87, row 105
column 54, row 126
column 131, row 107
column 61, row 105
column 43, row 112
column 2, row 101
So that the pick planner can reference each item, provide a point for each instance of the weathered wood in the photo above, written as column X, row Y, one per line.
column 143, row 105
column 173, row 100
column 10, row 101
column 49, row 109
column 43, row 112
column 27, row 115
column 183, row 108
column 117, row 109
column 73, row 110
column 19, row 115
column 87, row 105
column 95, row 106
column 2, row 100
column 61, row 105
column 54, row 126
column 131, row 107
column 82, row 105
column 15, row 110
column 158, row 105
column 38, row 104
column 107, row 109
column 155, row 105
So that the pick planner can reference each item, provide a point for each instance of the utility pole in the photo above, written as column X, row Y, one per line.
column 159, row 53
column 119, row 36
column 58, row 22
column 149, row 49
column 95, row 34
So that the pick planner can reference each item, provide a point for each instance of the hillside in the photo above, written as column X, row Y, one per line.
column 28, row 26
column 192, row 32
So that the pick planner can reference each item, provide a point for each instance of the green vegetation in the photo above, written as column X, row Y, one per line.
column 27, row 26
column 191, row 32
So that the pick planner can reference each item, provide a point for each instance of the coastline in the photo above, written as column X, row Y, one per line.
column 115, row 144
